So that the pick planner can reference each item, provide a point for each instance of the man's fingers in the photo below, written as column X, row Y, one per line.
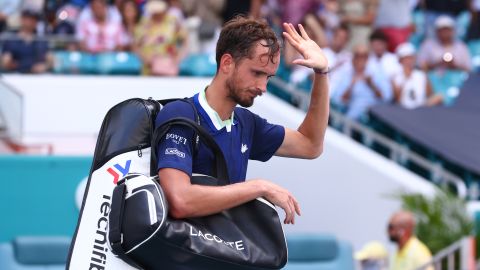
column 297, row 207
column 303, row 32
column 290, row 29
column 290, row 40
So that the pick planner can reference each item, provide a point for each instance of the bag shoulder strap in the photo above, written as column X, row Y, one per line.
column 196, row 138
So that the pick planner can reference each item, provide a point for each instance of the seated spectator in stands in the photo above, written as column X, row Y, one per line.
column 394, row 19
column 445, row 51
column 86, row 14
column 359, row 15
column 411, row 253
column 130, row 19
column 60, row 20
column 160, row 41
column 24, row 53
column 361, row 87
column 329, row 15
column 411, row 86
column 99, row 34
column 7, row 8
column 203, row 24
column 336, row 52
column 380, row 58
column 373, row 256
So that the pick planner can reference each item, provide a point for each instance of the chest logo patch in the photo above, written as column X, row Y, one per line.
column 244, row 148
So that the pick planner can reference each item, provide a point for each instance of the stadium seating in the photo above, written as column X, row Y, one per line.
column 118, row 63
column 198, row 65
column 318, row 252
column 66, row 62
column 474, row 47
column 448, row 84
column 105, row 63
column 34, row 253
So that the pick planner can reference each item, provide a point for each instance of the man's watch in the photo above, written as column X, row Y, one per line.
column 321, row 71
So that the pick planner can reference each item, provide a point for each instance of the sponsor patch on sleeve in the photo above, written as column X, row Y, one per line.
column 174, row 151
column 176, row 138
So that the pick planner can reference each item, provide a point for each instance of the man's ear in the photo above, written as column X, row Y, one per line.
column 227, row 63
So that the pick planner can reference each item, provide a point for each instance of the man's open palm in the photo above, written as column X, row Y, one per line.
column 313, row 56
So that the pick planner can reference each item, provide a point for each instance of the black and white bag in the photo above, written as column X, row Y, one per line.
column 141, row 233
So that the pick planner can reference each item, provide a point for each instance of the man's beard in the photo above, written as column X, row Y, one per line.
column 235, row 93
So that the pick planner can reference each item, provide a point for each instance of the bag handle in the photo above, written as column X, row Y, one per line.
column 115, row 221
column 220, row 171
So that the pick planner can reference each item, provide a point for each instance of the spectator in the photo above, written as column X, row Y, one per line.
column 373, row 256
column 157, row 41
column 435, row 8
column 394, row 19
column 60, row 20
column 444, row 52
column 411, row 253
column 294, row 11
column 337, row 54
column 473, row 32
column 411, row 86
column 24, row 53
column 7, row 9
column 359, row 15
column 130, row 19
column 380, row 58
column 99, row 34
column 232, row 8
column 330, row 17
column 113, row 14
column 361, row 87
column 203, row 24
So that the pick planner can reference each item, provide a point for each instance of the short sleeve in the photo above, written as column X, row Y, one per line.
column 175, row 149
column 267, row 138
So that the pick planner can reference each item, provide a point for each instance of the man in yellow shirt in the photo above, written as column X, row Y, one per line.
column 412, row 253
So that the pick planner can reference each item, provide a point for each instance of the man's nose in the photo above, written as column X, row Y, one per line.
column 262, row 85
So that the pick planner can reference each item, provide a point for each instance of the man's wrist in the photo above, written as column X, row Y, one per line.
column 323, row 71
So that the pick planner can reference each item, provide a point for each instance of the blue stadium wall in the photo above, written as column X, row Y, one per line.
column 37, row 194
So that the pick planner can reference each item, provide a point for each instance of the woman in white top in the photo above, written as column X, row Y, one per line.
column 411, row 86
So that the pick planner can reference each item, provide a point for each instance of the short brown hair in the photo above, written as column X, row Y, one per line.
column 241, row 34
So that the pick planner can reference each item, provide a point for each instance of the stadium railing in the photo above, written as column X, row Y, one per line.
column 399, row 153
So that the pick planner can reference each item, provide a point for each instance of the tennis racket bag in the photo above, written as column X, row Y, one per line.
column 123, row 146
column 124, row 149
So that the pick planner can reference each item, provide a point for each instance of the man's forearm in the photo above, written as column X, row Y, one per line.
column 315, row 123
column 198, row 200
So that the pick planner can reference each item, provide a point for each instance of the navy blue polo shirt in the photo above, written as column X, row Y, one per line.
column 26, row 53
column 242, row 137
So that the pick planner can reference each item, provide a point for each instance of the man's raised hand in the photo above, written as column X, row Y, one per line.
column 313, row 56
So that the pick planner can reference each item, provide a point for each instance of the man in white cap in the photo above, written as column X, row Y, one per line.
column 373, row 256
column 444, row 52
column 411, row 86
